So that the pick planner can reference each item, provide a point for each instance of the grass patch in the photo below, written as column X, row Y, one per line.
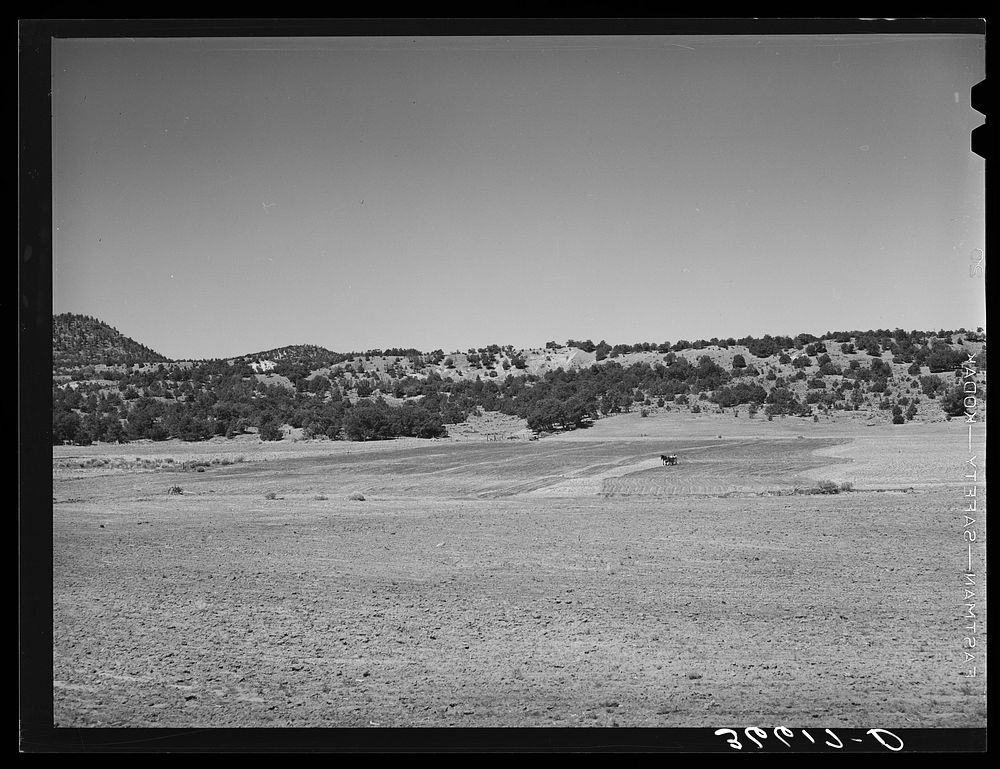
column 827, row 487
column 149, row 463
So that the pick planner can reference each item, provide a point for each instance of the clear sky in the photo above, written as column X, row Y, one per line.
column 214, row 197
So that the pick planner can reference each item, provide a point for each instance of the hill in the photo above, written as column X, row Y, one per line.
column 79, row 340
column 102, row 393
column 306, row 354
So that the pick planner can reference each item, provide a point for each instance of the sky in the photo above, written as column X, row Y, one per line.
column 215, row 197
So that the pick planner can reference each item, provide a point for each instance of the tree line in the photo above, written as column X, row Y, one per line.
column 200, row 400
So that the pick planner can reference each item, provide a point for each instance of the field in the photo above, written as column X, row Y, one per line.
column 571, row 581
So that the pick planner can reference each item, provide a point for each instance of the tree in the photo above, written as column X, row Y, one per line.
column 610, row 403
column 734, row 395
column 932, row 385
column 144, row 420
column 579, row 411
column 188, row 426
column 546, row 414
column 953, row 402
column 739, row 361
column 270, row 430
column 368, row 422
column 364, row 389
column 944, row 358
column 781, row 400
column 65, row 427
column 319, row 384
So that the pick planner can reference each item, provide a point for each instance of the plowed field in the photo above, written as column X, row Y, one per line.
column 572, row 581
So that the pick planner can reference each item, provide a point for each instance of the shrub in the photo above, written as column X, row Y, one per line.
column 270, row 431
column 356, row 497
column 270, row 495
column 944, row 358
column 175, row 490
column 953, row 403
column 827, row 487
column 932, row 385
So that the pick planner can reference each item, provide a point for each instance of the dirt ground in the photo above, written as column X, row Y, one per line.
column 572, row 581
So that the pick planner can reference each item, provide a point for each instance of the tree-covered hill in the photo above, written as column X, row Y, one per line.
column 310, row 355
column 896, row 376
column 80, row 340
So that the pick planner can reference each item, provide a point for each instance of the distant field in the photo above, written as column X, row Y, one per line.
column 498, row 469
column 572, row 581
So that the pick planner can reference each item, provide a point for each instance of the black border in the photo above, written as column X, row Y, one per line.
column 34, row 304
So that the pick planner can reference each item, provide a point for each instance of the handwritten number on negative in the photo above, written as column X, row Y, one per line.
column 750, row 731
column 755, row 734
column 839, row 743
column 733, row 741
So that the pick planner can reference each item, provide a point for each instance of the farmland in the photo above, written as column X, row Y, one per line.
column 571, row 581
